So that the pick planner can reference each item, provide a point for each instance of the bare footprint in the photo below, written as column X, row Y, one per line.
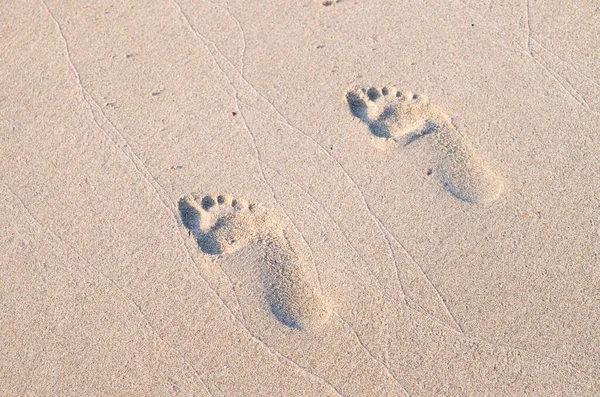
column 222, row 225
column 404, row 117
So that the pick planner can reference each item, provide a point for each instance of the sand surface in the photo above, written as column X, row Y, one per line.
column 243, row 198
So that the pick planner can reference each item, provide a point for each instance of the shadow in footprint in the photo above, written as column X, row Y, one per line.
column 222, row 225
column 404, row 117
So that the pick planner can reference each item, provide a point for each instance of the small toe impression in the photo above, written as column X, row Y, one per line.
column 225, row 201
column 405, row 96
column 373, row 94
column 419, row 98
column 389, row 92
column 207, row 203
column 240, row 205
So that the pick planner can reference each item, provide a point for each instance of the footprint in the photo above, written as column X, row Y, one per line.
column 402, row 116
column 222, row 225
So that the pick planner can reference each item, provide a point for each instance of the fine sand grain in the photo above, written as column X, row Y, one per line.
column 390, row 244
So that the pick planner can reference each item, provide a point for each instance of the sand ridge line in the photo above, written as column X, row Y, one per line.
column 140, row 167
column 280, row 117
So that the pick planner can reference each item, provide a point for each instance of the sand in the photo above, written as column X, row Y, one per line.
column 341, row 198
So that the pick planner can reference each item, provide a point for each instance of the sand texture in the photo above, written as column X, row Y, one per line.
column 341, row 198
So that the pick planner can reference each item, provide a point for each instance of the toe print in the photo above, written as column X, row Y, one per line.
column 390, row 113
column 223, row 225
column 404, row 116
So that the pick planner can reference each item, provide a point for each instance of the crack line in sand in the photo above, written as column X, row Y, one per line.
column 557, row 77
column 537, row 61
column 339, row 228
column 360, row 342
column 252, row 136
column 204, row 41
column 133, row 157
column 126, row 296
column 83, row 93
column 585, row 76
column 242, row 32
column 410, row 303
column 232, row 287
column 82, row 90
column 528, row 17
column 244, row 43
column 149, row 178
column 284, row 120
column 270, row 185
column 412, row 306
column 277, row 354
column 449, row 312
column 289, row 124
column 240, row 28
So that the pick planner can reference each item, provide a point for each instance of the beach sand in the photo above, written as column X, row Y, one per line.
column 340, row 198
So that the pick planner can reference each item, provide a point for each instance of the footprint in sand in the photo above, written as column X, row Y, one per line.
column 222, row 225
column 402, row 116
